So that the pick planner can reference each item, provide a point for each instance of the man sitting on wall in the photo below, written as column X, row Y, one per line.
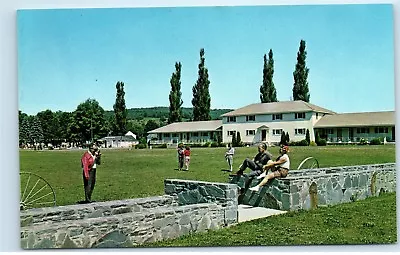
column 256, row 165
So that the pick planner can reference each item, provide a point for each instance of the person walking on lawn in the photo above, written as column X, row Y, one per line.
column 181, row 156
column 186, row 153
column 229, row 156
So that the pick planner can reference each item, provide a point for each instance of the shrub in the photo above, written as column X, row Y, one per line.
column 312, row 143
column 160, row 146
column 222, row 145
column 375, row 141
column 303, row 143
column 207, row 144
column 363, row 141
column 321, row 142
column 140, row 146
column 214, row 144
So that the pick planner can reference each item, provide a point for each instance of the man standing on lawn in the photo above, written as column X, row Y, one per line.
column 89, row 162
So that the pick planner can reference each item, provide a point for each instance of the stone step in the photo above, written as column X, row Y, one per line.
column 94, row 210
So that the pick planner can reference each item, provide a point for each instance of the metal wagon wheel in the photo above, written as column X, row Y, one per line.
column 309, row 163
column 35, row 192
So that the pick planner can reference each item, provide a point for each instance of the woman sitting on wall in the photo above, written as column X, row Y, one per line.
column 279, row 168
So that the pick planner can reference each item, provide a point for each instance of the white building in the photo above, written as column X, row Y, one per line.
column 265, row 122
column 126, row 141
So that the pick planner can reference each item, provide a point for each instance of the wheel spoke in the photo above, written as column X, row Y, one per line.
column 31, row 202
column 31, row 197
column 26, row 186
column 32, row 190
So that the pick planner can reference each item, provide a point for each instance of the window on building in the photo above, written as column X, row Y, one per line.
column 300, row 131
column 277, row 116
column 230, row 133
column 204, row 134
column 232, row 119
column 250, row 132
column 300, row 115
column 329, row 131
column 316, row 115
column 381, row 130
column 196, row 134
column 363, row 130
column 251, row 118
column 167, row 135
column 277, row 131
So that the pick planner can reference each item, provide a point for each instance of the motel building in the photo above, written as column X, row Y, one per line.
column 265, row 122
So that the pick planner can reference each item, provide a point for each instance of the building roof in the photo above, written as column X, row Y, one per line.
column 357, row 119
column 193, row 126
column 119, row 138
column 277, row 107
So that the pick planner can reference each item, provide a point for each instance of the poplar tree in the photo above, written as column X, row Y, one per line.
column 201, row 96
column 267, row 89
column 175, row 96
column 300, row 74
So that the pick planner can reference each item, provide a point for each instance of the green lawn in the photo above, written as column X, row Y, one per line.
column 140, row 173
column 370, row 221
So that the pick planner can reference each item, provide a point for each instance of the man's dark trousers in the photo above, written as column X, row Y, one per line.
column 89, row 184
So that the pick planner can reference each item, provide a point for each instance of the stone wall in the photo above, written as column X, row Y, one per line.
column 192, row 207
column 225, row 195
column 306, row 189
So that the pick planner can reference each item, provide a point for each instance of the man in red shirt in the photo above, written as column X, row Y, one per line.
column 89, row 162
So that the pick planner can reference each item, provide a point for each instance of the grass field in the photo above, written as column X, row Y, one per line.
column 140, row 173
column 370, row 221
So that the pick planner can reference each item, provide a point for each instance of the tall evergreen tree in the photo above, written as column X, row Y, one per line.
column 36, row 131
column 308, row 136
column 120, row 110
column 175, row 96
column 267, row 89
column 238, row 140
column 201, row 96
column 287, row 138
column 283, row 138
column 234, row 142
column 300, row 74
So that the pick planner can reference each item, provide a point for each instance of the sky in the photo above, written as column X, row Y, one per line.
column 66, row 56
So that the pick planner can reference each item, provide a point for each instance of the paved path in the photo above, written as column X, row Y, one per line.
column 247, row 212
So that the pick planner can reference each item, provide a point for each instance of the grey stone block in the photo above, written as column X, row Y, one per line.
column 45, row 243
column 68, row 243
column 170, row 189
column 215, row 191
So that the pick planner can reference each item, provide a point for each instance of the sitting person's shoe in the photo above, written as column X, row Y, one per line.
column 261, row 175
column 255, row 188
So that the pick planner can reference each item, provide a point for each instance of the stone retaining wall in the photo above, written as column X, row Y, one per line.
column 192, row 207
column 306, row 189
column 194, row 192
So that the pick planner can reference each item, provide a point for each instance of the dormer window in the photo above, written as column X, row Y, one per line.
column 300, row 115
column 231, row 119
column 251, row 118
column 277, row 116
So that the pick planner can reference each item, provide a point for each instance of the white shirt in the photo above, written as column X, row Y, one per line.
column 231, row 151
column 94, row 160
column 287, row 163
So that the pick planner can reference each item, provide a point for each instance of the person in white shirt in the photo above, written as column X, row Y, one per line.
column 229, row 156
column 280, row 168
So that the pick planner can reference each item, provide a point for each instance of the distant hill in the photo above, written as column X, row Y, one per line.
column 161, row 112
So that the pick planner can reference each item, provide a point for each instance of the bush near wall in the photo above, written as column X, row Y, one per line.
column 375, row 141
column 321, row 142
column 299, row 143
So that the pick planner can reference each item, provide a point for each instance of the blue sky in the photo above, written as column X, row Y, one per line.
column 67, row 56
